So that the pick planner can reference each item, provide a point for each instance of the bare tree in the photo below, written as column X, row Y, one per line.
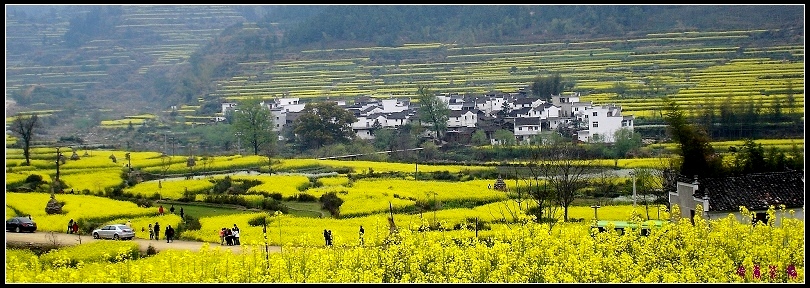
column 538, row 188
column 561, row 163
column 604, row 185
column 25, row 127
column 653, row 183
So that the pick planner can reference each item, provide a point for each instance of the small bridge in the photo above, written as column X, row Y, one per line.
column 354, row 156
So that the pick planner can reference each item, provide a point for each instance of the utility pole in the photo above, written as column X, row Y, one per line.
column 633, row 173
column 238, row 143
column 59, row 160
column 164, row 142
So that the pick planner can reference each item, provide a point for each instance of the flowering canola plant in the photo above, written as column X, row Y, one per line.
column 708, row 251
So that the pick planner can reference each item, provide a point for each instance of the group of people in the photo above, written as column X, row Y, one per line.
column 154, row 232
column 73, row 226
column 229, row 236
column 327, row 236
column 171, row 209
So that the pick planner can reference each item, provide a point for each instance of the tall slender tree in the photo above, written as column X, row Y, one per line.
column 697, row 154
column 24, row 126
column 433, row 111
column 254, row 123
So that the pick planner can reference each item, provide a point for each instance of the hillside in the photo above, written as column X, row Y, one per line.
column 92, row 63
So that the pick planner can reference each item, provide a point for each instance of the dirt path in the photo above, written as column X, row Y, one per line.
column 63, row 239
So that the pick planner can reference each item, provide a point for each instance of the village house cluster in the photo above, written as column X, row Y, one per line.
column 525, row 116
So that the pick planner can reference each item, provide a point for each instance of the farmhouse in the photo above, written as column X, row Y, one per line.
column 722, row 196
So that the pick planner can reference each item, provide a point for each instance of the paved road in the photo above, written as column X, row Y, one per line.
column 73, row 239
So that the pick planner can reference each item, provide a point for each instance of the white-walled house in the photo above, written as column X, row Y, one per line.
column 527, row 103
column 228, row 106
column 394, row 105
column 491, row 104
column 279, row 119
column 565, row 102
column 525, row 129
column 288, row 101
column 549, row 116
column 364, row 124
column 396, row 119
column 723, row 196
column 459, row 118
column 602, row 122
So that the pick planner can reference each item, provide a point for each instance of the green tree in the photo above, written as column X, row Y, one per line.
column 255, row 124
column 791, row 100
column 433, row 111
column 25, row 126
column 384, row 139
column 323, row 123
column 625, row 141
column 505, row 137
column 750, row 158
column 545, row 86
column 697, row 154
column 479, row 138
column 620, row 89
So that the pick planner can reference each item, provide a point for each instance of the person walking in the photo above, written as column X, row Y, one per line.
column 326, row 236
column 75, row 227
column 151, row 232
column 181, row 214
column 70, row 227
column 235, row 231
column 222, row 236
column 157, row 231
column 129, row 224
column 362, row 232
column 171, row 209
column 169, row 233
column 160, row 210
column 329, row 238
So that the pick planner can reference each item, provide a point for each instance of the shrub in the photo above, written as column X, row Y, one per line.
column 275, row 205
column 305, row 197
column 151, row 250
column 34, row 178
column 331, row 203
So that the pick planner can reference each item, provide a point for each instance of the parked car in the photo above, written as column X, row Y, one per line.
column 21, row 224
column 114, row 231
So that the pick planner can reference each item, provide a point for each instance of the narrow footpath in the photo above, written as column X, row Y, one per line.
column 63, row 239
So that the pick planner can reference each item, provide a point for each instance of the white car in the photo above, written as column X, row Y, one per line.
column 114, row 231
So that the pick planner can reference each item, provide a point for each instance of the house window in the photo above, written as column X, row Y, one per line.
column 610, row 114
column 520, row 128
column 594, row 113
column 595, row 124
column 760, row 217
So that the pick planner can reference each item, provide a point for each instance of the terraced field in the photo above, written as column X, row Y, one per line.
column 690, row 67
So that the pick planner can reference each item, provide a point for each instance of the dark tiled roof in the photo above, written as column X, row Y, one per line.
column 755, row 191
column 527, row 121
column 525, row 100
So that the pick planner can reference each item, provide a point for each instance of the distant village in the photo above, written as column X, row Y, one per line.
column 517, row 112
